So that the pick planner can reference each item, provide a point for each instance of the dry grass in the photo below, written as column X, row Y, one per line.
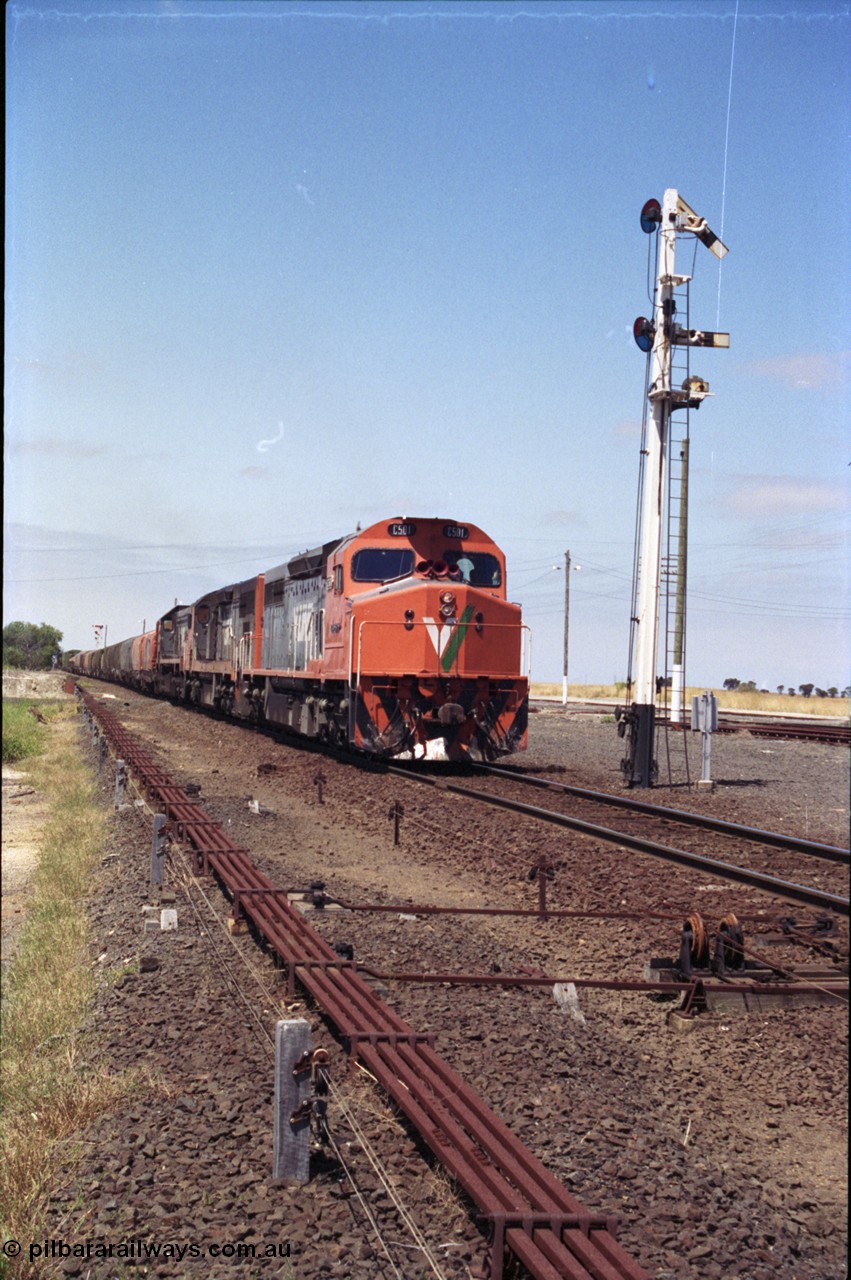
column 727, row 699
column 49, row 1092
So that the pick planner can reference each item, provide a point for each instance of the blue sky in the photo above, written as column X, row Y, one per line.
column 274, row 269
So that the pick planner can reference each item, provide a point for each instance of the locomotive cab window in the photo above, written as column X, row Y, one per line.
column 479, row 568
column 382, row 564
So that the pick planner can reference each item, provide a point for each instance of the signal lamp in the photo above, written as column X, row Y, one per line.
column 644, row 331
column 651, row 216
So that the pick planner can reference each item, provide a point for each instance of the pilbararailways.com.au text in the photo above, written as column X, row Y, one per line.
column 146, row 1250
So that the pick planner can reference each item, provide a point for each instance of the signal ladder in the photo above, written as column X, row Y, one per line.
column 675, row 552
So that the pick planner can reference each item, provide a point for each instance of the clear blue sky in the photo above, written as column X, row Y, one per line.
column 273, row 269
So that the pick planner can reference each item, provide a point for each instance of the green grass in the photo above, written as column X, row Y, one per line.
column 24, row 736
column 49, row 1090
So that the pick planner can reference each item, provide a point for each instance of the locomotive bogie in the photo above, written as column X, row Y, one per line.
column 396, row 640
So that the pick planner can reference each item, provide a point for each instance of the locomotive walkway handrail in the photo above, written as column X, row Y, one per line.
column 521, row 1204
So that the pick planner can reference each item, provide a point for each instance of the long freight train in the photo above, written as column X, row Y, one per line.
column 397, row 640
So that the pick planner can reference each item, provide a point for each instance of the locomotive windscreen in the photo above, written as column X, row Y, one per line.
column 477, row 567
column 382, row 564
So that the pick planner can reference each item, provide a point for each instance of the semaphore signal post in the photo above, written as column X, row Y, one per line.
column 659, row 337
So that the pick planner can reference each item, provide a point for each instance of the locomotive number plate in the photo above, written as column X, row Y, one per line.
column 456, row 532
column 401, row 530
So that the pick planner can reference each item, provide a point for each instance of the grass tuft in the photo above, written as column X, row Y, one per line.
column 50, row 1093
column 24, row 735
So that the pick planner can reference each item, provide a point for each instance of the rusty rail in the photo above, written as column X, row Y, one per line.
column 725, row 870
column 519, row 1203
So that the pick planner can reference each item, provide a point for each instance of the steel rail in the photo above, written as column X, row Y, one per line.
column 829, row 852
column 525, row 1208
column 727, row 871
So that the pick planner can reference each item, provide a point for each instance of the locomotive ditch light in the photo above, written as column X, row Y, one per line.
column 644, row 332
column 651, row 216
column 409, row 619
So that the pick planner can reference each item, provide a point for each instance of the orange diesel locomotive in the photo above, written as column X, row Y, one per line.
column 397, row 640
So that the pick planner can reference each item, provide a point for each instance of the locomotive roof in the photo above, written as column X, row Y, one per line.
column 304, row 564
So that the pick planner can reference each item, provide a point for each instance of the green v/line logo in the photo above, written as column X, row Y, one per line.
column 447, row 640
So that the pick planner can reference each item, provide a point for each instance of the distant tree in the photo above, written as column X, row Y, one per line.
column 749, row 686
column 31, row 647
column 791, row 691
column 806, row 689
column 731, row 683
column 846, row 692
column 780, row 688
column 833, row 692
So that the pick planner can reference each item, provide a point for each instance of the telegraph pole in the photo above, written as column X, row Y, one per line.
column 566, row 623
column 672, row 217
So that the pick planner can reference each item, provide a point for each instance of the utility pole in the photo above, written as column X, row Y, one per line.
column 566, row 624
column 673, row 217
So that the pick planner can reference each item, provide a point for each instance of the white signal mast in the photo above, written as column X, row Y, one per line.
column 658, row 337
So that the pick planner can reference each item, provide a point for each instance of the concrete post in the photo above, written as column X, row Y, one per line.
column 120, row 783
column 291, row 1154
column 158, row 848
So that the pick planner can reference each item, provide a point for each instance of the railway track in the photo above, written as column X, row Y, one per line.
column 804, row 729
column 750, row 846
column 832, row 734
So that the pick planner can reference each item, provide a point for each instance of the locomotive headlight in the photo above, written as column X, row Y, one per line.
column 480, row 623
column 409, row 619
column 447, row 604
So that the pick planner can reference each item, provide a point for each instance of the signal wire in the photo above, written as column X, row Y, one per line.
column 188, row 881
column 726, row 149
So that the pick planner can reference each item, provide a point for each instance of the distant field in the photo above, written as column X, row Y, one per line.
column 729, row 701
